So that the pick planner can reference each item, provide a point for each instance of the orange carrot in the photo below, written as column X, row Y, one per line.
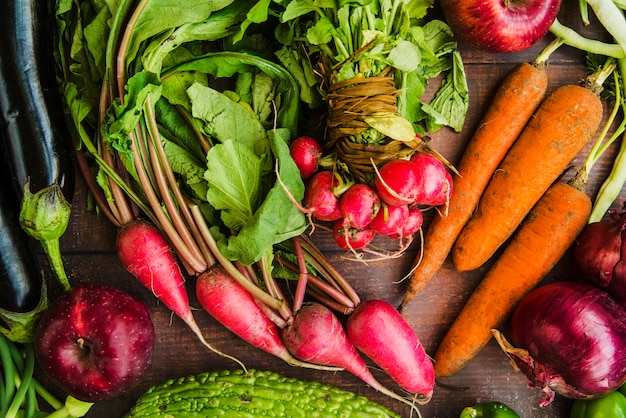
column 563, row 123
column 543, row 238
column 518, row 96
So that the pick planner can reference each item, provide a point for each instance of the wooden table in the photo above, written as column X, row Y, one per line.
column 89, row 254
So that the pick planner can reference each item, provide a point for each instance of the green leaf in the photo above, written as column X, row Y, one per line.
column 417, row 9
column 450, row 104
column 405, row 56
column 187, row 166
column 234, row 176
column 162, row 15
column 392, row 125
column 227, row 64
column 227, row 120
column 322, row 33
column 297, row 8
column 277, row 219
column 123, row 118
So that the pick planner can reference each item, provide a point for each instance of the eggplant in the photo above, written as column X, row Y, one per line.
column 20, row 280
column 23, row 290
column 35, row 141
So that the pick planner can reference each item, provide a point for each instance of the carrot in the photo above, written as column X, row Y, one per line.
column 543, row 238
column 518, row 96
column 562, row 125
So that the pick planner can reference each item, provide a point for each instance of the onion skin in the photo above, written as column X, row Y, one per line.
column 598, row 249
column 568, row 338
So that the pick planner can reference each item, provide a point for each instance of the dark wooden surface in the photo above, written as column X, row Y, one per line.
column 88, row 249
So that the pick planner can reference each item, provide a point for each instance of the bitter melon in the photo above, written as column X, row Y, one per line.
column 251, row 394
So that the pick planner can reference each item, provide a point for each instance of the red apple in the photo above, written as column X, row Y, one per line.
column 95, row 341
column 500, row 25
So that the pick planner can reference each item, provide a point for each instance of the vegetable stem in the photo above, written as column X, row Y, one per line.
column 45, row 215
column 612, row 19
column 599, row 146
column 610, row 189
column 26, row 379
column 574, row 39
column 229, row 266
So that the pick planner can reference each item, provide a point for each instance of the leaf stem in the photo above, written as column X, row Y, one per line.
column 574, row 39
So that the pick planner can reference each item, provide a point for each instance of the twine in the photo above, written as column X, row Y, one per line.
column 350, row 103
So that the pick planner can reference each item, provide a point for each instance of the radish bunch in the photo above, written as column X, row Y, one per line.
column 390, row 206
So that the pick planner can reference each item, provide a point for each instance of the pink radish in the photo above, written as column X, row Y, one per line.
column 390, row 219
column 435, row 185
column 351, row 239
column 359, row 205
column 319, row 197
column 147, row 255
column 306, row 152
column 397, row 182
column 235, row 308
column 378, row 330
column 316, row 335
column 412, row 223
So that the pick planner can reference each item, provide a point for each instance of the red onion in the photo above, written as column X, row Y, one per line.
column 568, row 338
column 598, row 254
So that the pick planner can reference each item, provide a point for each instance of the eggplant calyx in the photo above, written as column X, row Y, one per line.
column 45, row 215
column 20, row 327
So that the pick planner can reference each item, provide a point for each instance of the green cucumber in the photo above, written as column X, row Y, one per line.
column 251, row 394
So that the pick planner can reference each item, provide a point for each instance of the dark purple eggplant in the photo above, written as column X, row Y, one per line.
column 23, row 296
column 36, row 143
column 34, row 138
column 20, row 279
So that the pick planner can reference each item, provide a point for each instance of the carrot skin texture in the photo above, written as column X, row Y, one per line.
column 543, row 238
column 379, row 331
column 518, row 96
column 562, row 125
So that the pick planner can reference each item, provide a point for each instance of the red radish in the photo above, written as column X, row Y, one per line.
column 235, row 308
column 352, row 238
column 378, row 330
column 435, row 186
column 359, row 205
column 397, row 182
column 306, row 152
column 316, row 335
column 390, row 220
column 320, row 198
column 147, row 255
column 412, row 224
